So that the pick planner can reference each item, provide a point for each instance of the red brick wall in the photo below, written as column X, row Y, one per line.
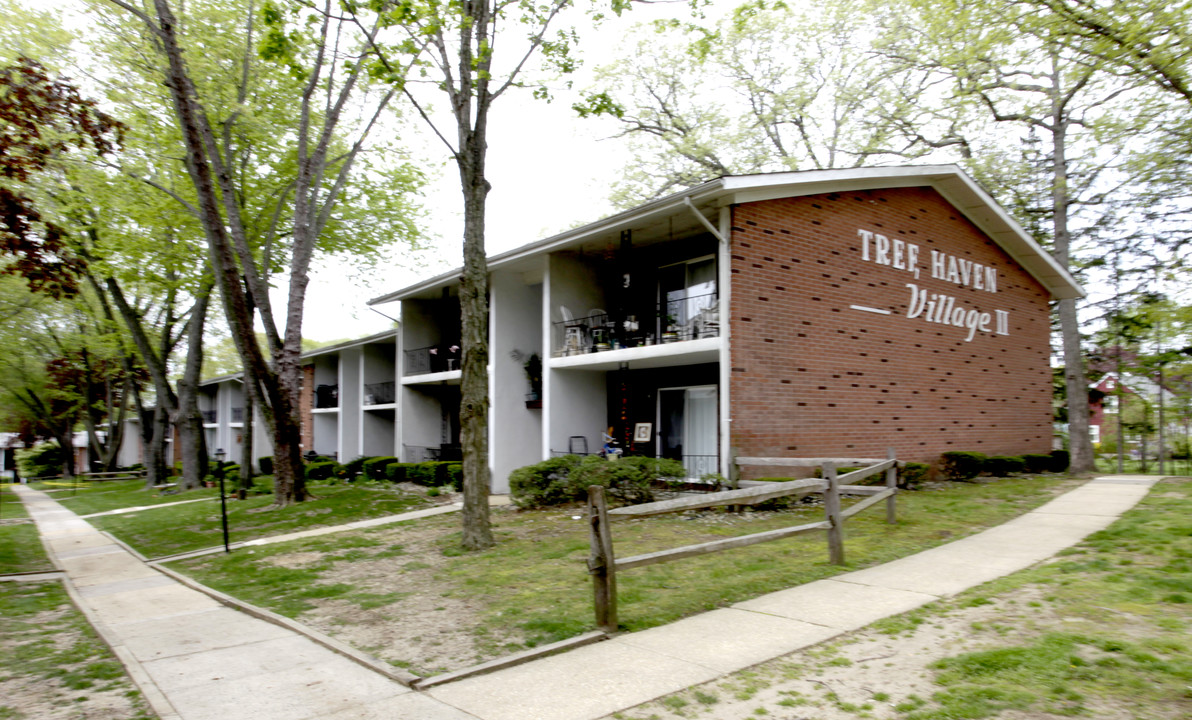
column 812, row 377
column 306, row 400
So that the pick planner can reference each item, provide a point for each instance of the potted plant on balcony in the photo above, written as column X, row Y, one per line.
column 533, row 368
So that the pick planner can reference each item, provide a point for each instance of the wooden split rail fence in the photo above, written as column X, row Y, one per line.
column 603, row 564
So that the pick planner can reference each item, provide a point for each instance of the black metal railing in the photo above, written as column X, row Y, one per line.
column 382, row 393
column 326, row 396
column 431, row 359
column 237, row 414
column 209, row 416
column 423, row 453
column 688, row 318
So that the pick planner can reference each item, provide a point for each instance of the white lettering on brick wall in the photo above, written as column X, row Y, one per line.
column 938, row 307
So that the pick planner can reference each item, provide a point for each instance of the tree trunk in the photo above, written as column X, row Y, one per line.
column 473, row 301
column 246, row 449
column 1080, row 447
column 189, row 419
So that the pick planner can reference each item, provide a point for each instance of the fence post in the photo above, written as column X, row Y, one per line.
column 892, row 485
column 832, row 509
column 601, row 564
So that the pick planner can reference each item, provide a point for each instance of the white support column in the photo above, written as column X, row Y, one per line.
column 724, row 288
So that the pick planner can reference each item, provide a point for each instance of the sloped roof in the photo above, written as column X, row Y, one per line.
column 949, row 180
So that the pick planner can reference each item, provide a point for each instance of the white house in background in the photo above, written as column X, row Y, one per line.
column 348, row 404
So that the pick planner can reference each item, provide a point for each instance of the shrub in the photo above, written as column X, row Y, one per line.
column 320, row 469
column 265, row 463
column 352, row 468
column 630, row 479
column 40, row 460
column 912, row 474
column 231, row 470
column 1003, row 465
column 544, row 483
column 435, row 473
column 397, row 472
column 374, row 467
column 958, row 465
column 1060, row 461
column 1036, row 462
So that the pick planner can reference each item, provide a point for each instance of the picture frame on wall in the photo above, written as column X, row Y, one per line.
column 643, row 432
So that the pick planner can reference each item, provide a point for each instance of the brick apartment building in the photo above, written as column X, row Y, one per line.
column 805, row 314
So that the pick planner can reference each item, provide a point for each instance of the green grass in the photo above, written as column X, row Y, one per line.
column 21, row 550
column 1107, row 463
column 95, row 497
column 11, row 506
column 50, row 648
column 1131, row 587
column 535, row 578
column 182, row 528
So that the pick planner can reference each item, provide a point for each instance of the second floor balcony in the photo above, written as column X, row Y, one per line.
column 382, row 393
column 674, row 320
column 444, row 357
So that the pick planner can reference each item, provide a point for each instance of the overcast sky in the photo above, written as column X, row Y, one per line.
column 549, row 170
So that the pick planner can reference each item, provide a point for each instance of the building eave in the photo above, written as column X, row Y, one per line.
column 950, row 181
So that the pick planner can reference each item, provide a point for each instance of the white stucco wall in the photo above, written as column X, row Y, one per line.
column 516, row 324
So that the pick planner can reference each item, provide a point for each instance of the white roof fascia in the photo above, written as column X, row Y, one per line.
column 949, row 180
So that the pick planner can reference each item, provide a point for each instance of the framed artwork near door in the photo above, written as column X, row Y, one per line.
column 643, row 432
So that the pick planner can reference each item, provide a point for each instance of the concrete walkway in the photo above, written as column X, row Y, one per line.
column 197, row 659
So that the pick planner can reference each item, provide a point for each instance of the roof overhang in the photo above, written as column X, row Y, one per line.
column 949, row 180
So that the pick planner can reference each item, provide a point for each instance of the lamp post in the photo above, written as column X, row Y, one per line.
column 223, row 501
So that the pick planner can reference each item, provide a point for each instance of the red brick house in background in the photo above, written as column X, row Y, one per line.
column 806, row 314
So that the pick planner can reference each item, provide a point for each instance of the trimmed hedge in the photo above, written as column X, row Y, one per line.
column 1003, row 465
column 913, row 474
column 959, row 466
column 1060, row 461
column 545, row 483
column 566, row 479
column 265, row 463
column 349, row 470
column 435, row 473
column 374, row 467
column 320, row 469
column 1035, row 463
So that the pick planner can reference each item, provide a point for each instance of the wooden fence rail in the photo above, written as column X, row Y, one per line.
column 603, row 564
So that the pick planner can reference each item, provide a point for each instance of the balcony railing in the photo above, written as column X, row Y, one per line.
column 670, row 321
column 382, row 393
column 326, row 396
column 237, row 414
column 422, row 453
column 432, row 359
column 209, row 417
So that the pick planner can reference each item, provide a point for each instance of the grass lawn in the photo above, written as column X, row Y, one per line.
column 54, row 664
column 1102, row 632
column 11, row 507
column 181, row 528
column 95, row 497
column 21, row 550
column 533, row 587
column 1107, row 463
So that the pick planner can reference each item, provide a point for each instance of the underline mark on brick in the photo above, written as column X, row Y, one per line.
column 862, row 308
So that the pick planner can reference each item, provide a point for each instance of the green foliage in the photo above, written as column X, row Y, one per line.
column 349, row 470
column 960, row 466
column 41, row 460
column 320, row 469
column 912, row 474
column 1003, row 465
column 1036, row 463
column 374, row 467
column 631, row 479
column 545, row 483
column 1059, row 461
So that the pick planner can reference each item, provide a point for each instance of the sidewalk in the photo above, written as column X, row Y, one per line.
column 197, row 659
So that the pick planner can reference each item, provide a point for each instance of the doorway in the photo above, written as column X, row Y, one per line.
column 688, row 428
